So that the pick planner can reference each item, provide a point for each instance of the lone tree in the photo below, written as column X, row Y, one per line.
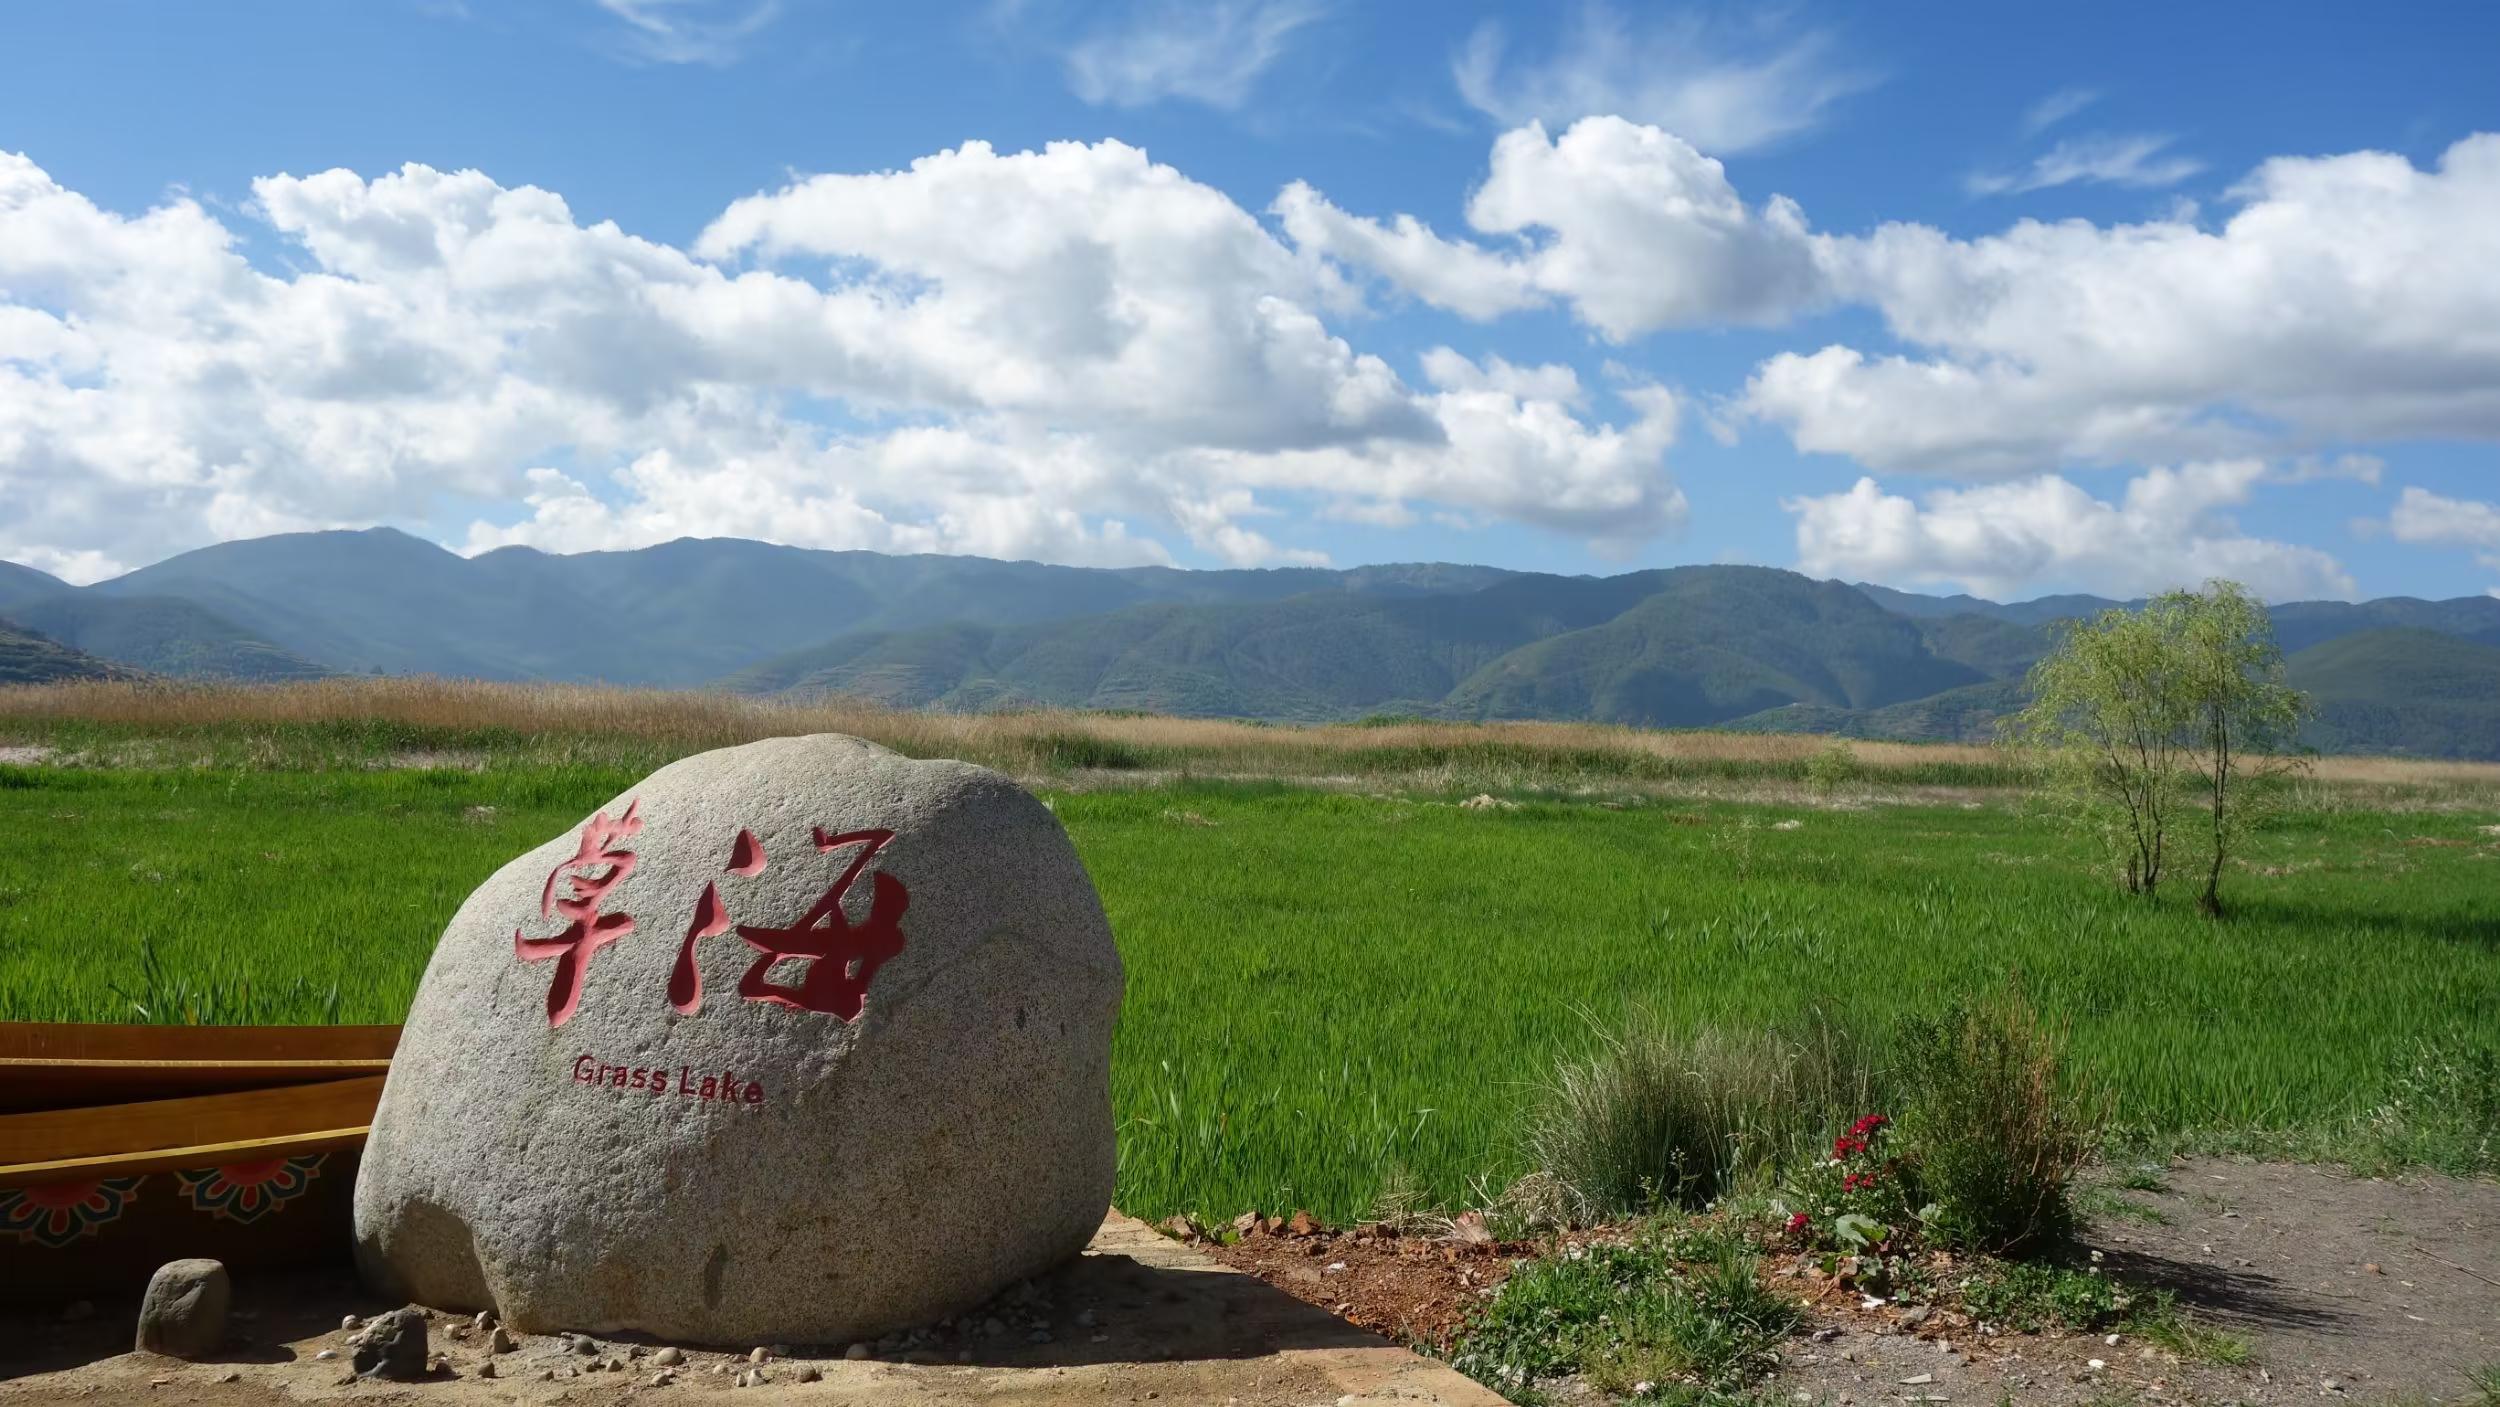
column 2175, row 708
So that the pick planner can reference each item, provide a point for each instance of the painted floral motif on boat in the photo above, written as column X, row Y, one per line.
column 54, row 1214
column 246, row 1192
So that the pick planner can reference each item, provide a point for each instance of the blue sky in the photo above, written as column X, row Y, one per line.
column 1946, row 296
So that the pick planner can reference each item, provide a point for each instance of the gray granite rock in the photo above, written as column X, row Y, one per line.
column 392, row 1346
column 613, row 1110
column 183, row 1313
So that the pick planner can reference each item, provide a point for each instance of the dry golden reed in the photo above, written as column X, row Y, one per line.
column 686, row 720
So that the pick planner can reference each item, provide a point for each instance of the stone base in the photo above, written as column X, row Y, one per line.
column 1166, row 1321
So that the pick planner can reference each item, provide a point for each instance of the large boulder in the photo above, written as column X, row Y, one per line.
column 799, row 1042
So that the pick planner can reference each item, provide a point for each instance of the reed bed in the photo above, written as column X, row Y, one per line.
column 426, row 721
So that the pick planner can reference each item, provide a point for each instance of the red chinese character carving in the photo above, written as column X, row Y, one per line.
column 842, row 956
column 588, row 930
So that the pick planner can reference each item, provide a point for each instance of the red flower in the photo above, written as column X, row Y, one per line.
column 1844, row 1145
column 1796, row 1223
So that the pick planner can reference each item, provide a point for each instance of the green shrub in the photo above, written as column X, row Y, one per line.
column 1996, row 1135
column 1654, row 1119
column 1834, row 766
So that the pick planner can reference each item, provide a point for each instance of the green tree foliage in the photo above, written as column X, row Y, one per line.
column 2162, row 718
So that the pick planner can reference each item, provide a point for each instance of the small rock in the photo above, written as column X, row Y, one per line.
column 2370, row 1267
column 547, row 1375
column 352, row 1322
column 856, row 1352
column 811, row 1374
column 392, row 1346
column 663, row 1378
column 1916, row 1315
column 184, row 1312
column 1303, row 1224
column 486, row 1369
column 583, row 1344
column 437, row 1364
column 1085, row 1319
column 327, row 1353
column 669, row 1357
column 1917, row 1379
column 501, row 1340
column 484, row 1321
column 2112, row 1340
column 2094, row 1364
column 757, row 1355
column 635, row 1352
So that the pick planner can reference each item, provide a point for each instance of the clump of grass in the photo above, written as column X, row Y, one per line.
column 1998, row 1134
column 1654, row 1119
column 2443, row 1107
column 2031, row 1296
column 1684, row 1310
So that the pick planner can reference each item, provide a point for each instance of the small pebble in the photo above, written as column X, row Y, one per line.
column 663, row 1378
column 811, row 1374
column 585, row 1344
column 757, row 1355
column 669, row 1357
column 856, row 1352
column 484, row 1321
column 547, row 1375
column 351, row 1322
column 501, row 1340
column 326, row 1354
column 486, row 1369
column 230, row 1376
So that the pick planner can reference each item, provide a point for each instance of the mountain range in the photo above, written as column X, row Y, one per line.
column 1718, row 646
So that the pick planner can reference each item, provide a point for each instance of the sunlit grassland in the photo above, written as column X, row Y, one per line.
column 1327, row 985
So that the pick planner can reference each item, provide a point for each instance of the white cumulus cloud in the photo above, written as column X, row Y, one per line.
column 1630, row 226
column 1073, row 353
column 2169, row 528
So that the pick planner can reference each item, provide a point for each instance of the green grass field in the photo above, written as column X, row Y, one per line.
column 1326, row 986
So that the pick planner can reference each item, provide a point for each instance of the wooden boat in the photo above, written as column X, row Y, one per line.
column 122, row 1147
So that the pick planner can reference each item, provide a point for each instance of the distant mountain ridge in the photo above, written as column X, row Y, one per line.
column 29, row 657
column 1721, row 646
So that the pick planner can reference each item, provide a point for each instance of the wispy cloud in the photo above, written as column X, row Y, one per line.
column 2141, row 159
column 2056, row 108
column 1207, row 53
column 1721, row 88
column 689, row 31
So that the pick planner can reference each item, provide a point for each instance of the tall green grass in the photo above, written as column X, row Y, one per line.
column 1324, row 987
